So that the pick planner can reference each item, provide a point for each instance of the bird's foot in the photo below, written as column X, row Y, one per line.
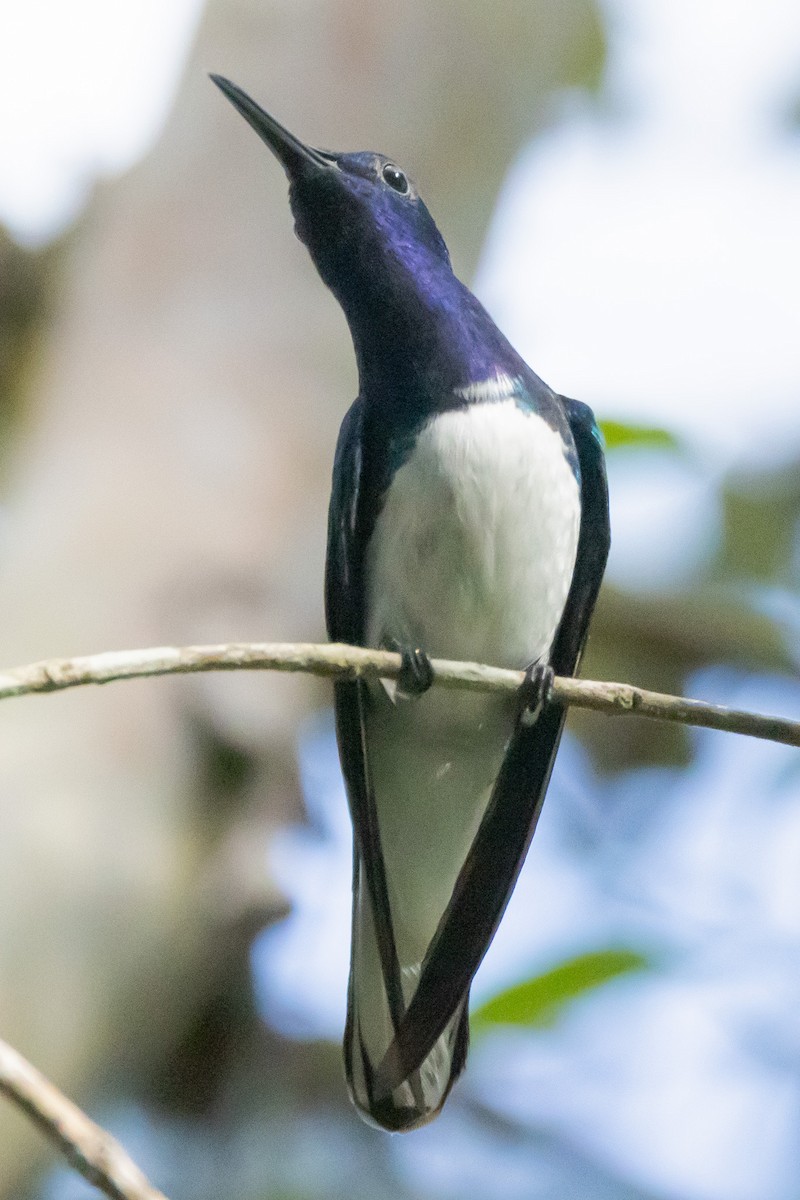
column 416, row 672
column 535, row 693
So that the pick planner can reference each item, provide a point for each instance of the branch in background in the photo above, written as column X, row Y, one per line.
column 332, row 661
column 87, row 1147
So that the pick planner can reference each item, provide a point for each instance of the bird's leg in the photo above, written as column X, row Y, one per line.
column 535, row 692
column 416, row 672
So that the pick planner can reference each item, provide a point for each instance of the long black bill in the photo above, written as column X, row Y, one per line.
column 292, row 154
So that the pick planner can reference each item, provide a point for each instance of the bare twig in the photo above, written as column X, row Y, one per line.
column 613, row 699
column 88, row 1148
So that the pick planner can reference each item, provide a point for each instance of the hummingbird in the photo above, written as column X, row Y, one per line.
column 468, row 520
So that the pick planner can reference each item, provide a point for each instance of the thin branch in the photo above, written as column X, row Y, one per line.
column 332, row 661
column 88, row 1148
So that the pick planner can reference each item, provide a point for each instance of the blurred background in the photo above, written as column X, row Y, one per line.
column 620, row 181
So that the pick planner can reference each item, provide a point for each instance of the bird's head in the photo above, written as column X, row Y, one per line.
column 359, row 215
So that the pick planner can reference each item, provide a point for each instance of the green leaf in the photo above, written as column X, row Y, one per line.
column 617, row 434
column 538, row 1002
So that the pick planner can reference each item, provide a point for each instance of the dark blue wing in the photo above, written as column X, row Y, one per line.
column 344, row 612
column 490, row 871
column 350, row 520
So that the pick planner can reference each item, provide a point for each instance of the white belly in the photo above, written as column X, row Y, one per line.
column 473, row 552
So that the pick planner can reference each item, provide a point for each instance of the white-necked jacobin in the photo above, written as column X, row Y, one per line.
column 468, row 520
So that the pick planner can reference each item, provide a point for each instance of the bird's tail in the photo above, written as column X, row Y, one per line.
column 392, row 1099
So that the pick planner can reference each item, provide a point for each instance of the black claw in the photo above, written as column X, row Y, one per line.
column 535, row 692
column 416, row 672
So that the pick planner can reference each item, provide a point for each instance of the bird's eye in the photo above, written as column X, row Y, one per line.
column 395, row 178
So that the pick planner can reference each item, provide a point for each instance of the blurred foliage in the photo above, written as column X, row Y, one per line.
column 538, row 1002
column 725, row 614
column 25, row 288
column 617, row 434
column 655, row 640
column 759, row 537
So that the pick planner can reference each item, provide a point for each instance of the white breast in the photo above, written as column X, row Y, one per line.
column 474, row 549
